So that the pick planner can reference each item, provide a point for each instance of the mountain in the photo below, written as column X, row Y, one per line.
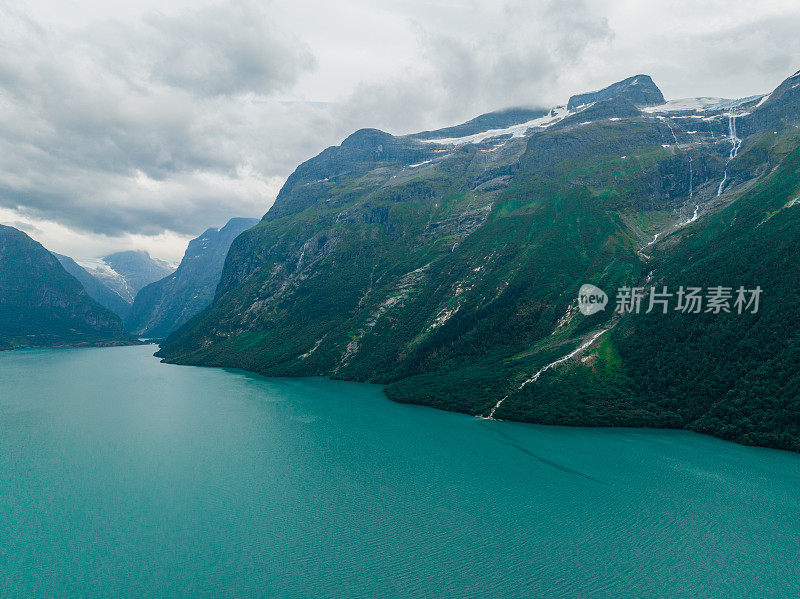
column 728, row 374
column 447, row 266
column 125, row 273
column 501, row 119
column 95, row 287
column 42, row 305
column 161, row 307
column 639, row 90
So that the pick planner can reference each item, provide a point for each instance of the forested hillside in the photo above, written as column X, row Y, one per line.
column 447, row 265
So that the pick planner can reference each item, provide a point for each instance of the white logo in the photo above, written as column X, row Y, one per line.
column 591, row 299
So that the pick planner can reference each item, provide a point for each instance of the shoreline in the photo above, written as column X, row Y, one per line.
column 479, row 415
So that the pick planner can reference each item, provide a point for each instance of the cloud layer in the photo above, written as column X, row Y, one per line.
column 147, row 129
column 142, row 128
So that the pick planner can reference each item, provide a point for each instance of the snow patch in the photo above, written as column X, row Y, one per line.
column 494, row 147
column 101, row 268
column 701, row 104
column 684, row 104
column 554, row 116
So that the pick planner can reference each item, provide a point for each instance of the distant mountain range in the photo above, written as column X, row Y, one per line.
column 95, row 287
column 447, row 264
column 46, row 309
column 114, row 280
column 41, row 305
column 164, row 305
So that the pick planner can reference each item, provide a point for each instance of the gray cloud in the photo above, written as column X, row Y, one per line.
column 763, row 46
column 213, row 50
column 513, row 56
column 167, row 123
column 136, row 129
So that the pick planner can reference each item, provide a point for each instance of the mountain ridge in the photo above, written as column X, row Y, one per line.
column 42, row 305
column 164, row 305
column 95, row 287
column 447, row 268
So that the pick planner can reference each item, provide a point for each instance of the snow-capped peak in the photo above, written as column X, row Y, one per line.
column 100, row 266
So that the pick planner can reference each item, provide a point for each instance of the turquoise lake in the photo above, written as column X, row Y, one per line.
column 124, row 477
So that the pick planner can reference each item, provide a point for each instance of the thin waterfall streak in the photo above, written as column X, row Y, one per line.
column 736, row 143
column 542, row 370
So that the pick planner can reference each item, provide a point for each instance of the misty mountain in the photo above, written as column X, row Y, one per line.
column 125, row 273
column 161, row 307
column 95, row 287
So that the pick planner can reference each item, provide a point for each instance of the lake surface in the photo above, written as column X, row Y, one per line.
column 124, row 477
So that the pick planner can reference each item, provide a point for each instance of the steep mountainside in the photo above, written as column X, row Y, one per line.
column 728, row 374
column 125, row 273
column 447, row 265
column 42, row 305
column 163, row 306
column 95, row 287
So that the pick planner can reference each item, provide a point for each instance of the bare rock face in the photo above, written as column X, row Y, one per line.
column 638, row 90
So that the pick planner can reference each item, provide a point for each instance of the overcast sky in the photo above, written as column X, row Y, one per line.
column 129, row 124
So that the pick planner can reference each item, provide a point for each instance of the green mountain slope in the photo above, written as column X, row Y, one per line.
column 42, row 305
column 447, row 267
column 729, row 374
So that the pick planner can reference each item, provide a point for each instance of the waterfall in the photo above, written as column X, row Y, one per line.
column 736, row 143
column 543, row 369
column 671, row 130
